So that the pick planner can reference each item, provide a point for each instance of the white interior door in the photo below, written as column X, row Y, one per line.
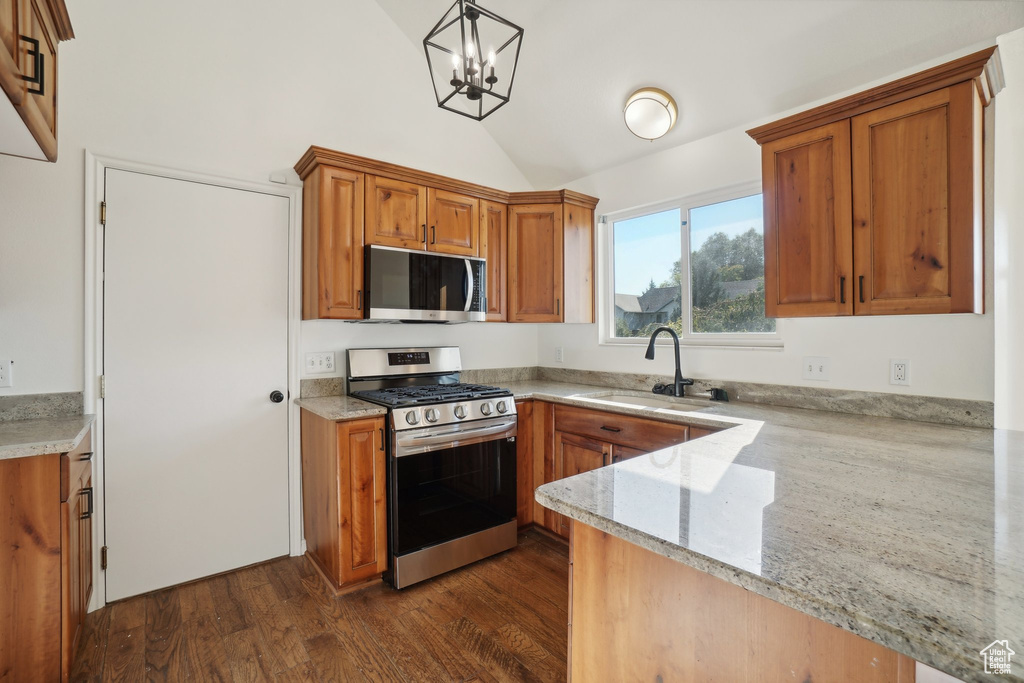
column 195, row 340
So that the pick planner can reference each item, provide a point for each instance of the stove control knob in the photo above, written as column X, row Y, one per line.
column 502, row 407
column 460, row 412
column 412, row 417
column 432, row 415
column 486, row 408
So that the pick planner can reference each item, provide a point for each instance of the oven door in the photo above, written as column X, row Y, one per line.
column 451, row 481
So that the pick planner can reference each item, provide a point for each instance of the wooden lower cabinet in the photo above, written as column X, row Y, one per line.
column 45, row 562
column 638, row 616
column 344, row 498
column 575, row 440
column 524, row 463
column 574, row 455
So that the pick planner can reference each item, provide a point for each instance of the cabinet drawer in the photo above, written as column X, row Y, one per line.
column 638, row 433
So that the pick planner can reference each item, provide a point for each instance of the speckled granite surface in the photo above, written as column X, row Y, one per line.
column 32, row 406
column 23, row 438
column 909, row 534
column 340, row 407
column 965, row 412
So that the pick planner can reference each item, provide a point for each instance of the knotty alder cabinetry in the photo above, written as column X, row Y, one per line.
column 636, row 615
column 29, row 33
column 562, row 441
column 551, row 259
column 873, row 204
column 351, row 201
column 45, row 562
column 343, row 498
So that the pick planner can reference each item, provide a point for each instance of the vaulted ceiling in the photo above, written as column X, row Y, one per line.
column 728, row 63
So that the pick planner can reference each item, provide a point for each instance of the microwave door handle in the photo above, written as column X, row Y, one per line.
column 469, row 285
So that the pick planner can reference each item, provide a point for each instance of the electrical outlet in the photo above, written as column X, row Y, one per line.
column 6, row 366
column 318, row 363
column 558, row 354
column 899, row 371
column 816, row 368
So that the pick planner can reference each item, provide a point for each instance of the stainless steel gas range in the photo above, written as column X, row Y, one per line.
column 451, row 459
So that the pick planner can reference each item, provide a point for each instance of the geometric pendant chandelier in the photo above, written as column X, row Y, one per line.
column 472, row 55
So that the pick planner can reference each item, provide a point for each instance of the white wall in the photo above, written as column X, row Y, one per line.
column 951, row 355
column 1009, row 220
column 228, row 90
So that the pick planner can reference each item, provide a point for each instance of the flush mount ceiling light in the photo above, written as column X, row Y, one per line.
column 650, row 113
column 472, row 55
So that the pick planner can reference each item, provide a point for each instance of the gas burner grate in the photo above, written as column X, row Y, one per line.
column 430, row 393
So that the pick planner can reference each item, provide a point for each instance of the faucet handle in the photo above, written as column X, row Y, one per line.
column 660, row 388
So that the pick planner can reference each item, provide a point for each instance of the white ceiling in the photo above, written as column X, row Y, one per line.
column 727, row 63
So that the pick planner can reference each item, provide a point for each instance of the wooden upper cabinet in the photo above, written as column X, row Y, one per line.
column 396, row 213
column 535, row 263
column 917, row 179
column 807, row 223
column 29, row 33
column 873, row 204
column 454, row 221
column 578, row 264
column 494, row 248
column 332, row 244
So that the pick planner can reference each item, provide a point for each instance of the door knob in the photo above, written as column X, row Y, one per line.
column 276, row 396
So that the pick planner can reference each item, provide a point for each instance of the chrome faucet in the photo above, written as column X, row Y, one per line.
column 680, row 381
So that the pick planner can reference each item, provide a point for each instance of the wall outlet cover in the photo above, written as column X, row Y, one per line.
column 6, row 367
column 816, row 368
column 899, row 371
column 559, row 356
column 319, row 363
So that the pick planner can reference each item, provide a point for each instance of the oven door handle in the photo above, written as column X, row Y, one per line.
column 414, row 444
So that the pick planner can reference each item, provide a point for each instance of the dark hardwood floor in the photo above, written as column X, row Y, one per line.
column 501, row 619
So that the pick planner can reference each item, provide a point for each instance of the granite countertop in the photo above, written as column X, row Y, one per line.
column 909, row 534
column 340, row 407
column 39, row 436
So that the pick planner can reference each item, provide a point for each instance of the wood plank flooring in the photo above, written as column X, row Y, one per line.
column 501, row 619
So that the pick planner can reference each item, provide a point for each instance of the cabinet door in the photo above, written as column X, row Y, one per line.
column 524, row 463
column 454, row 223
column 76, row 559
column 578, row 264
column 535, row 263
column 10, row 68
column 575, row 455
column 494, row 248
column 396, row 213
column 620, row 453
column 808, row 242
column 361, row 475
column 332, row 244
column 38, row 60
column 917, row 205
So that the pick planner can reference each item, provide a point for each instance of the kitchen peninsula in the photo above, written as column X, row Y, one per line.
column 699, row 560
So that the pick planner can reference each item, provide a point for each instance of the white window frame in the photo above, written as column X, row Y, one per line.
column 606, row 259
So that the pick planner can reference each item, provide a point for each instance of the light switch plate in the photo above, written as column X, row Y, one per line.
column 6, row 367
column 816, row 368
column 319, row 363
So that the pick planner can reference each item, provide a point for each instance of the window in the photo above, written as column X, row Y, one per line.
column 696, row 265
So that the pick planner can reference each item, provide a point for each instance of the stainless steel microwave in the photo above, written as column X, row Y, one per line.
column 403, row 284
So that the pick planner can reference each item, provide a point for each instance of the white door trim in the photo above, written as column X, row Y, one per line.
column 95, row 166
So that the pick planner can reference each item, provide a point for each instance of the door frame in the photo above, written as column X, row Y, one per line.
column 95, row 167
